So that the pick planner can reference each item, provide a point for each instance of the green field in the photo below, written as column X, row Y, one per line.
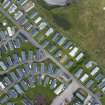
column 83, row 22
column 34, row 92
column 40, row 90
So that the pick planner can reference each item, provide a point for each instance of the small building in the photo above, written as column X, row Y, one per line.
column 12, row 9
column 89, row 83
column 59, row 89
column 79, row 57
column 23, row 55
column 13, row 77
column 84, row 77
column 4, row 99
column 36, row 21
column 78, row 73
column 53, row 84
column 69, row 64
column 17, row 43
column 102, row 84
column 99, row 77
column 94, row 71
column 18, row 89
column 67, row 44
column 6, row 3
column 42, row 25
column 49, row 32
column 64, row 59
column 7, row 81
column 24, row 85
column 90, row 64
column 10, row 103
column 28, row 6
column 15, row 58
column 103, row 90
column 50, row 68
column 46, row 81
column 18, row 15
column 19, row 74
column 22, row 21
column 10, row 31
column 65, row 76
column 35, row 68
column 80, row 95
column 43, row 68
column 32, row 14
column 30, row 56
column 61, row 41
column 28, row 26
column 22, row 2
column 2, row 86
column 55, row 36
column 2, row 65
column 9, row 61
column 12, row 93
column 73, row 52
column 57, row 2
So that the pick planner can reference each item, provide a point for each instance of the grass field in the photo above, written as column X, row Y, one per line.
column 82, row 22
column 40, row 90
column 34, row 92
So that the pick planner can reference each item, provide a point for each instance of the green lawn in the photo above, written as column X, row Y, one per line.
column 83, row 23
column 32, row 93
column 46, row 91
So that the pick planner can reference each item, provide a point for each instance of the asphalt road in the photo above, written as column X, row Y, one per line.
column 66, row 95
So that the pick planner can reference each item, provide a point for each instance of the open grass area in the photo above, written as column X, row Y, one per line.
column 40, row 90
column 82, row 22
column 34, row 92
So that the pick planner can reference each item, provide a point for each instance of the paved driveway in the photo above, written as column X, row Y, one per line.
column 67, row 94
